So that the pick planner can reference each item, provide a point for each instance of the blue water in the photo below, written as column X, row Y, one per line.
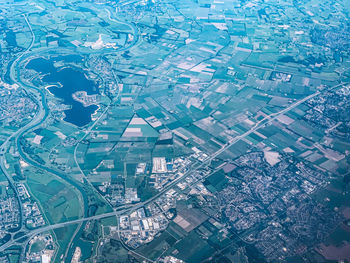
column 71, row 80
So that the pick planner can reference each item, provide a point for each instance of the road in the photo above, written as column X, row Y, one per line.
column 5, row 145
column 39, row 118
column 267, row 120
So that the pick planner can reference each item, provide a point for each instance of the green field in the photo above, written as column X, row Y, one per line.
column 59, row 201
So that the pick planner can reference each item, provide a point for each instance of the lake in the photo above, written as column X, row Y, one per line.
column 66, row 82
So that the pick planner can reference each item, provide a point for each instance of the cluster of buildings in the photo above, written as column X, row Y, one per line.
column 141, row 226
column 201, row 75
column 15, row 106
column 31, row 210
column 10, row 217
column 263, row 200
column 137, row 228
column 40, row 249
column 85, row 99
column 163, row 171
column 115, row 193
column 170, row 259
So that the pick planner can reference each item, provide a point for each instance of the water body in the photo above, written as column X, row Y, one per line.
column 67, row 81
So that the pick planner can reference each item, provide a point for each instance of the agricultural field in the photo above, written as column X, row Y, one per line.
column 174, row 131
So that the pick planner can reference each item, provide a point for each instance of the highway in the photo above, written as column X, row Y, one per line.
column 127, row 209
column 43, row 112
column 5, row 145
column 37, row 120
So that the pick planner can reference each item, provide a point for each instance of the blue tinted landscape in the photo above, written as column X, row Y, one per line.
column 175, row 131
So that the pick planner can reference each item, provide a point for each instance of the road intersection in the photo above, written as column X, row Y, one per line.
column 130, row 208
